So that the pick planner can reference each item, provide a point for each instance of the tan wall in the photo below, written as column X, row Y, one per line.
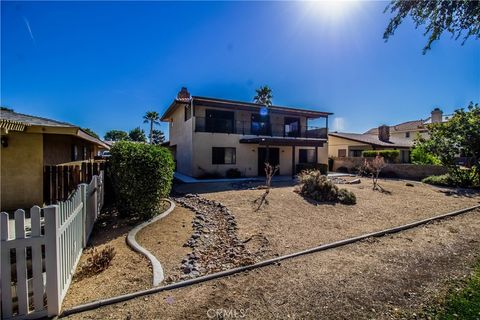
column 22, row 171
column 181, row 136
column 413, row 135
column 246, row 154
column 336, row 143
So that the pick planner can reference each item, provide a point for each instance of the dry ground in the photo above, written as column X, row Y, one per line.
column 373, row 279
column 166, row 237
column 378, row 279
column 291, row 223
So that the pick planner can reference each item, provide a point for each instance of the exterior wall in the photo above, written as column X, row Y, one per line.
column 413, row 135
column 57, row 149
column 181, row 137
column 22, row 171
column 246, row 155
column 336, row 143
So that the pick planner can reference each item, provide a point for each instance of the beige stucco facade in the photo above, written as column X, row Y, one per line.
column 335, row 144
column 23, row 158
column 193, row 150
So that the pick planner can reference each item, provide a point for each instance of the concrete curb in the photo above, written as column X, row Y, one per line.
column 158, row 275
column 221, row 274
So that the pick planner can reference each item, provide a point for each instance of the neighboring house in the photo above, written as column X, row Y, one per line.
column 28, row 143
column 209, row 135
column 400, row 137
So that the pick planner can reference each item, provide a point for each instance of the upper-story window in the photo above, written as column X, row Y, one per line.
column 292, row 127
column 407, row 134
column 260, row 124
column 219, row 121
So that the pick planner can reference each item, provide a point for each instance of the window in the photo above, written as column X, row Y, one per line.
column 407, row 134
column 292, row 127
column 219, row 121
column 260, row 124
column 188, row 112
column 356, row 153
column 74, row 152
column 342, row 153
column 223, row 155
column 306, row 156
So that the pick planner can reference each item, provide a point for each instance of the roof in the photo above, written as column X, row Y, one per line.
column 15, row 121
column 414, row 125
column 197, row 100
column 372, row 139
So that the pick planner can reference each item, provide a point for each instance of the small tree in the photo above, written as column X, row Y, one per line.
column 270, row 171
column 153, row 118
column 374, row 168
column 137, row 135
column 157, row 137
column 264, row 96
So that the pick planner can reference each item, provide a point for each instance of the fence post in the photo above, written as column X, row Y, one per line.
column 95, row 196
column 83, row 197
column 52, row 260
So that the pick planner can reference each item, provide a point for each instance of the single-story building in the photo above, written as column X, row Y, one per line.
column 28, row 143
column 398, row 137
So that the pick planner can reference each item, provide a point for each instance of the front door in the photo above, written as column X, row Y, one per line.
column 273, row 159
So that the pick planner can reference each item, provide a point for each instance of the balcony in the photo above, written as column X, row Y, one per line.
column 252, row 128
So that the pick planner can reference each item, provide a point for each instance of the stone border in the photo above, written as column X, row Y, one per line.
column 158, row 275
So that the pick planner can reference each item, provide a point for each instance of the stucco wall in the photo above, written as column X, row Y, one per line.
column 22, row 171
column 336, row 143
column 181, row 137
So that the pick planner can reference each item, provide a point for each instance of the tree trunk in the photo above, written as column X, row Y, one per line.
column 151, row 131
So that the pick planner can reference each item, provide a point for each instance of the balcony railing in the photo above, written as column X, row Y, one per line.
column 258, row 128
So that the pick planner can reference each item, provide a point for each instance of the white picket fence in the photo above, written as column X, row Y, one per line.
column 37, row 263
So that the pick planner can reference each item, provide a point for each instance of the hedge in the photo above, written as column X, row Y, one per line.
column 388, row 155
column 141, row 175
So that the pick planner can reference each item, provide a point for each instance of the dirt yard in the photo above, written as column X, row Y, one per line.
column 291, row 223
column 387, row 278
column 383, row 278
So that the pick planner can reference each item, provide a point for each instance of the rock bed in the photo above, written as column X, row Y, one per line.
column 214, row 242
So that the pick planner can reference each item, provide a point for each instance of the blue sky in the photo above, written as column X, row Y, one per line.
column 103, row 64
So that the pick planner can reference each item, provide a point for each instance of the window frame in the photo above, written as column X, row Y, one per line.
column 300, row 151
column 223, row 155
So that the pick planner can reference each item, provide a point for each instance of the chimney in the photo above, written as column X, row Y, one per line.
column 384, row 133
column 437, row 115
column 184, row 95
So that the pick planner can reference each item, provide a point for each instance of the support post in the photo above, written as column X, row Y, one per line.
column 52, row 261
column 316, row 156
column 293, row 161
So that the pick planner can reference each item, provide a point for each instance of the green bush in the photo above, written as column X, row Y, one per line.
column 346, row 197
column 465, row 178
column 420, row 155
column 388, row 155
column 442, row 180
column 313, row 166
column 318, row 187
column 141, row 175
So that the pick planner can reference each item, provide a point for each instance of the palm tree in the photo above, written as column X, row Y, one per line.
column 264, row 96
column 152, row 117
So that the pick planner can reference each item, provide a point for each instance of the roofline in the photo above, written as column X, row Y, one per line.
column 362, row 141
column 241, row 103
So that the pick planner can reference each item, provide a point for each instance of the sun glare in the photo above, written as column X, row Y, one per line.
column 331, row 10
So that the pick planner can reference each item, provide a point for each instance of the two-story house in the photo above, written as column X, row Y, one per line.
column 210, row 135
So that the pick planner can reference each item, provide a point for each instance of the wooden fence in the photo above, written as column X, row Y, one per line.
column 39, row 256
column 61, row 180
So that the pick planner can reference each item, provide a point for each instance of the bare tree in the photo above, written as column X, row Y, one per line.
column 270, row 171
column 374, row 168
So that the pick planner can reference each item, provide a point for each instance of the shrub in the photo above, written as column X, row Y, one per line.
column 346, row 197
column 141, row 175
column 233, row 173
column 388, row 155
column 465, row 178
column 420, row 155
column 318, row 187
column 97, row 262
